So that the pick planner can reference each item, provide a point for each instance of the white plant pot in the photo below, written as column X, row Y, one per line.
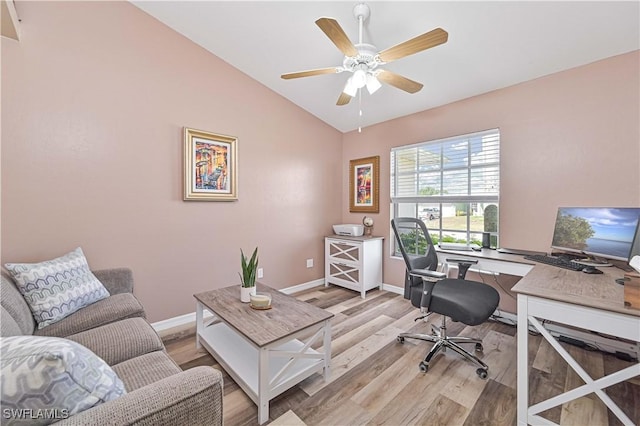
column 246, row 292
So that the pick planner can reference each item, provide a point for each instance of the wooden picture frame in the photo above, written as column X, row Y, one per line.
column 210, row 166
column 364, row 185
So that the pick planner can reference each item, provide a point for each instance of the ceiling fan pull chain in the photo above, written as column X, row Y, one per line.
column 359, row 110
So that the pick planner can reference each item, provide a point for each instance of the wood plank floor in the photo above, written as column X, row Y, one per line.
column 376, row 381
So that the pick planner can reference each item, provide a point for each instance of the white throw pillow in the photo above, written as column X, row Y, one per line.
column 56, row 288
column 45, row 379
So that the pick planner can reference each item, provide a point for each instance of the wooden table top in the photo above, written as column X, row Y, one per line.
column 287, row 316
column 592, row 290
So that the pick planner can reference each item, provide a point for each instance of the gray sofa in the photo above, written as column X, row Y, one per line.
column 115, row 329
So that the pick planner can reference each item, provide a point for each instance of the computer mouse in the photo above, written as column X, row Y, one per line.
column 591, row 270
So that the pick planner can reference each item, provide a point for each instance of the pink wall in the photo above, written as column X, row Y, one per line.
column 568, row 139
column 94, row 98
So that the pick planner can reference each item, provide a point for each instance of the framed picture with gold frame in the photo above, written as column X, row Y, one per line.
column 210, row 166
column 364, row 185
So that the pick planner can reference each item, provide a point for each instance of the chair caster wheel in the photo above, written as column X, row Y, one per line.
column 479, row 347
column 424, row 367
column 482, row 373
column 400, row 339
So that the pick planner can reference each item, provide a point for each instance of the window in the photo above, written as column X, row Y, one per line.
column 452, row 184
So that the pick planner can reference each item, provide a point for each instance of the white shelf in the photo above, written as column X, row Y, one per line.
column 241, row 359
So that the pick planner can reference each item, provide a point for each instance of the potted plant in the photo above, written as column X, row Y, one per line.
column 248, row 275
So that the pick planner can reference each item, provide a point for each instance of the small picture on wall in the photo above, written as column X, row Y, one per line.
column 210, row 166
column 364, row 179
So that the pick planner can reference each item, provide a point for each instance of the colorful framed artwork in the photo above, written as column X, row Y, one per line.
column 210, row 166
column 364, row 185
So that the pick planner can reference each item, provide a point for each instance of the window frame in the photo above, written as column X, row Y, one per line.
column 443, row 199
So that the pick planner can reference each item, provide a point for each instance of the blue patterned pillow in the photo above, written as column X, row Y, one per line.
column 57, row 288
column 44, row 379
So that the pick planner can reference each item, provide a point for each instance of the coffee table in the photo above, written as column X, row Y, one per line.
column 265, row 351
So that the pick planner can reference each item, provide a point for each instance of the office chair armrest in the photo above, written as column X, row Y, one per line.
column 463, row 266
column 426, row 273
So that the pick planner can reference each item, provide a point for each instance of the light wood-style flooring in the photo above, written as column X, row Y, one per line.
column 376, row 381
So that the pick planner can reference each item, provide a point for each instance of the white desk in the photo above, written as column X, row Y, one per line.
column 591, row 302
column 490, row 260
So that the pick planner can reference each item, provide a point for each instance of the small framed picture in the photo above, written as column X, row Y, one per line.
column 210, row 166
column 364, row 185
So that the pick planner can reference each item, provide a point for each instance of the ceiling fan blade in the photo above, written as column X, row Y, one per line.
column 417, row 44
column 336, row 34
column 398, row 81
column 343, row 99
column 309, row 73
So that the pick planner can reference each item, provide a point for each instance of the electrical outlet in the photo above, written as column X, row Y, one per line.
column 260, row 273
column 309, row 263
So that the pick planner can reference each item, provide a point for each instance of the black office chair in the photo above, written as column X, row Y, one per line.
column 469, row 302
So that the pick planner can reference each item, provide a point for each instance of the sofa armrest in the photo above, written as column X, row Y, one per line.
column 191, row 397
column 116, row 280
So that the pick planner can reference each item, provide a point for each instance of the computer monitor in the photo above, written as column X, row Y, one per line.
column 635, row 247
column 596, row 231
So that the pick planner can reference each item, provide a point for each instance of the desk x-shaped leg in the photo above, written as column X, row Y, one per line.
column 590, row 386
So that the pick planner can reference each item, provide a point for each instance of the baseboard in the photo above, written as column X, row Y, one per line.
column 393, row 288
column 304, row 286
column 190, row 318
column 176, row 322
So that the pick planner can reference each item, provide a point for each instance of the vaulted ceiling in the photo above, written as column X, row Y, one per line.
column 491, row 45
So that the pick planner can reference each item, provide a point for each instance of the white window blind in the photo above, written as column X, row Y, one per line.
column 445, row 180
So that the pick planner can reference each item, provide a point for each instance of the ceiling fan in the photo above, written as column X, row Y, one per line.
column 362, row 59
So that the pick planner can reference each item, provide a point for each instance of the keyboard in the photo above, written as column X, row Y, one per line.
column 555, row 261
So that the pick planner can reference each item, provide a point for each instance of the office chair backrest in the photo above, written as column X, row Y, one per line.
column 416, row 247
column 415, row 243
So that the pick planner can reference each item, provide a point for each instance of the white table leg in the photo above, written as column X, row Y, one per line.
column 522, row 365
column 327, row 350
column 264, row 392
column 199, row 324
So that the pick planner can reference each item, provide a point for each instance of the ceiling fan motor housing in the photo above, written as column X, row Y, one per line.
column 367, row 56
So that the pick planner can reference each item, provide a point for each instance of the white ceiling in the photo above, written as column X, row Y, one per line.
column 491, row 45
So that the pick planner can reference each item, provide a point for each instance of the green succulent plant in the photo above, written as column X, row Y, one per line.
column 249, row 269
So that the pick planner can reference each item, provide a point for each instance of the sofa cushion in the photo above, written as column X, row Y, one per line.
column 106, row 311
column 8, row 326
column 54, row 289
column 15, row 305
column 146, row 369
column 121, row 340
column 55, row 374
column 116, row 280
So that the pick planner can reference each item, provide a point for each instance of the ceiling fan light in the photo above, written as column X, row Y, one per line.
column 372, row 84
column 359, row 78
column 350, row 88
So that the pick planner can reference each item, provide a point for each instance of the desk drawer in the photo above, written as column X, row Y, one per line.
column 343, row 251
